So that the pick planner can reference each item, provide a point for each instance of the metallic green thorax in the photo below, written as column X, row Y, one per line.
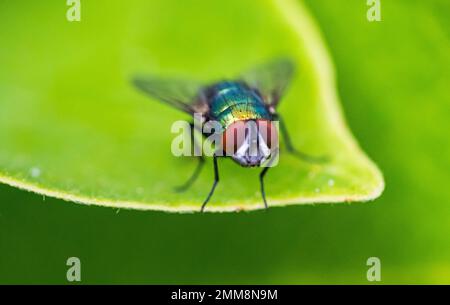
column 232, row 101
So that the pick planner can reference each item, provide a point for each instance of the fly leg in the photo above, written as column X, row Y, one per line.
column 216, row 180
column 261, row 181
column 198, row 168
column 291, row 149
column 261, row 177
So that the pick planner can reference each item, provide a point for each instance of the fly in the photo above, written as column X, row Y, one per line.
column 244, row 106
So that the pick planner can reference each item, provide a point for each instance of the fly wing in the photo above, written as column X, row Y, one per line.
column 184, row 95
column 271, row 79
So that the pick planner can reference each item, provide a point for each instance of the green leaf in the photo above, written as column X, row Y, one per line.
column 72, row 126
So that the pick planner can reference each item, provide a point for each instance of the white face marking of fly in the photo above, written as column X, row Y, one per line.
column 254, row 150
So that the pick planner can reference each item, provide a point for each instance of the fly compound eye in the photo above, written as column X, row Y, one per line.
column 233, row 138
column 268, row 133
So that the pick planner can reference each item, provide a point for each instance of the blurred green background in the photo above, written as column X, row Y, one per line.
column 393, row 80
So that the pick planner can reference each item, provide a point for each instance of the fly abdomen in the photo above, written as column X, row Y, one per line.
column 233, row 101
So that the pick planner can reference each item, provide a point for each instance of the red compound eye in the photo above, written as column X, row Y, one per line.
column 234, row 135
column 233, row 138
column 268, row 132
